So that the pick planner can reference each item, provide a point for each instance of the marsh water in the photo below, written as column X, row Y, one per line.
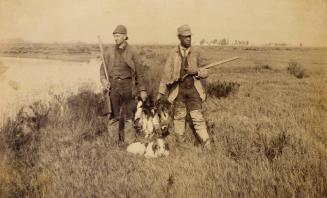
column 26, row 80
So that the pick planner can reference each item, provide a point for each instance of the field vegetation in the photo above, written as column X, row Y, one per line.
column 266, row 114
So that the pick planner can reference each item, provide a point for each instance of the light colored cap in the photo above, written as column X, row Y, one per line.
column 184, row 30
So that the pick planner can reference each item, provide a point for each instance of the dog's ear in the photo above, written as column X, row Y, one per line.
column 155, row 146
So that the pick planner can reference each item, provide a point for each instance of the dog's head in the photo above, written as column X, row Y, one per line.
column 160, row 148
column 157, row 148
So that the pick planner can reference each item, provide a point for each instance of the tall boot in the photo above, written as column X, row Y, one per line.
column 200, row 126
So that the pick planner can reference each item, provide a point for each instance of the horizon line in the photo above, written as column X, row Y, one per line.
column 251, row 44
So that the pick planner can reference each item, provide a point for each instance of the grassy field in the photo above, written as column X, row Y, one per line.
column 269, row 136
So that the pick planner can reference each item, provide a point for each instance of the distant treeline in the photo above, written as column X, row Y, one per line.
column 224, row 42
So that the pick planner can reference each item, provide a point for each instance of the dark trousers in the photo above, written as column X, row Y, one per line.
column 122, row 99
column 188, row 97
column 122, row 102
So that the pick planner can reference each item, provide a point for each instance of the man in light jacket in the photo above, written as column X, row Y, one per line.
column 188, row 94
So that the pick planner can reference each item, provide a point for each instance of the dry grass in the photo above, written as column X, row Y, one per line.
column 269, row 139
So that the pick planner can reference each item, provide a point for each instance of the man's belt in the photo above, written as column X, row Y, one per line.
column 119, row 78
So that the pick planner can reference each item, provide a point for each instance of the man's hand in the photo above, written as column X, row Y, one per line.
column 199, row 72
column 203, row 73
column 143, row 95
column 192, row 71
column 105, row 84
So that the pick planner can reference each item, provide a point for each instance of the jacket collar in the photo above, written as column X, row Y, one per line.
column 122, row 46
column 179, row 47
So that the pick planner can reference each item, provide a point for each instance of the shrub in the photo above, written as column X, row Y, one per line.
column 297, row 70
column 261, row 67
column 22, row 138
column 85, row 104
column 85, row 110
column 22, row 133
column 222, row 89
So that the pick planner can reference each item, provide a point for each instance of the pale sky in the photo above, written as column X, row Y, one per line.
column 156, row 21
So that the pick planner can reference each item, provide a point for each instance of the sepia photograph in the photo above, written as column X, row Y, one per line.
column 163, row 98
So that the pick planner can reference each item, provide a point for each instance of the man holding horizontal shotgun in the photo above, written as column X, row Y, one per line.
column 187, row 94
column 121, row 73
column 185, row 67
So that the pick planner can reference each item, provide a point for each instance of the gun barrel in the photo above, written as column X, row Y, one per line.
column 205, row 67
column 219, row 62
column 106, row 93
column 102, row 58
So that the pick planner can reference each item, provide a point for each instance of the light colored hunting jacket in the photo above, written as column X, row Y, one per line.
column 196, row 58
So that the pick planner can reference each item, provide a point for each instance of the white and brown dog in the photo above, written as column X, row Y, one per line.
column 153, row 149
column 151, row 121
